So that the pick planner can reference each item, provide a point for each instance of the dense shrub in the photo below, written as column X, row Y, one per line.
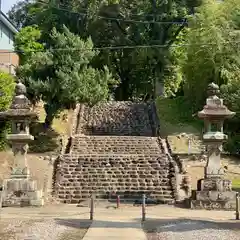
column 7, row 84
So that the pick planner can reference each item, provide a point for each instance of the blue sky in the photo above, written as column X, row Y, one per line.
column 7, row 4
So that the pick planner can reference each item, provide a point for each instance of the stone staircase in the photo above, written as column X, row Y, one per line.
column 114, row 118
column 115, row 145
column 114, row 149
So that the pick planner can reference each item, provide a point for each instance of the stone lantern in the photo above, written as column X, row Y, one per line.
column 20, row 189
column 213, row 191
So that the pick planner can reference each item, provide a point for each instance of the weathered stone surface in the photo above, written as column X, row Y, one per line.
column 20, row 190
column 213, row 205
column 114, row 149
column 214, row 191
column 107, row 178
column 114, row 118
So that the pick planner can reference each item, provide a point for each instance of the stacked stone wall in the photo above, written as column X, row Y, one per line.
column 114, row 144
column 127, row 175
column 114, row 118
column 114, row 148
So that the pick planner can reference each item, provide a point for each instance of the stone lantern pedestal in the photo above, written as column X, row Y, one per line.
column 20, row 189
column 214, row 191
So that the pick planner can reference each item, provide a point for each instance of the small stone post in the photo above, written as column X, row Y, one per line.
column 237, row 206
column 143, row 207
column 20, row 189
column 118, row 201
column 92, row 207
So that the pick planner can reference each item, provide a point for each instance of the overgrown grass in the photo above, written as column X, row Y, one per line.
column 236, row 184
column 48, row 140
column 176, row 116
column 45, row 140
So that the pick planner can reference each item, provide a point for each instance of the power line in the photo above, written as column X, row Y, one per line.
column 121, row 47
column 119, row 19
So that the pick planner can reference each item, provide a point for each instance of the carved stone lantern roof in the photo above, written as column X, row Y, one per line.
column 214, row 108
column 20, row 108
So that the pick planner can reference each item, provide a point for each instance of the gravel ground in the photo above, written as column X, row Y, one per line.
column 186, row 230
column 40, row 229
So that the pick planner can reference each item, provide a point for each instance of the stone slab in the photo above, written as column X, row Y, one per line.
column 21, row 193
column 213, row 205
column 215, row 195
column 115, row 229
column 215, row 184
column 19, row 184
column 37, row 202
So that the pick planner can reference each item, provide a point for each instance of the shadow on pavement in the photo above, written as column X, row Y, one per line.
column 188, row 224
column 74, row 223
column 83, row 223
column 150, row 225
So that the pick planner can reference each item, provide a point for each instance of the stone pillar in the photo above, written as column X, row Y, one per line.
column 214, row 191
column 213, row 167
column 20, row 189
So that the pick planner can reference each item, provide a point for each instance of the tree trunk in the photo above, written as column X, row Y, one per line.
column 50, row 113
column 48, row 120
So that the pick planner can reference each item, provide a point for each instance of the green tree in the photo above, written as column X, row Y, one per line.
column 213, row 55
column 213, row 51
column 26, row 42
column 22, row 13
column 139, row 70
column 62, row 74
column 7, row 85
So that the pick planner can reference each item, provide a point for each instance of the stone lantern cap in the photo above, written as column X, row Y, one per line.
column 214, row 108
column 20, row 108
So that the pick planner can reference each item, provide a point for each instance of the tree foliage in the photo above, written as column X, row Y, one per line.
column 213, row 51
column 62, row 74
column 213, row 55
column 108, row 24
column 198, row 43
column 26, row 42
column 7, row 85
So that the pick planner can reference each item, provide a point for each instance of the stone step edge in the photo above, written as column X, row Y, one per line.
column 113, row 136
column 73, row 155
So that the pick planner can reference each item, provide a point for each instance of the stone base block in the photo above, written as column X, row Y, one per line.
column 215, row 184
column 214, row 205
column 21, row 193
column 213, row 200
column 215, row 195
column 37, row 203
column 20, row 185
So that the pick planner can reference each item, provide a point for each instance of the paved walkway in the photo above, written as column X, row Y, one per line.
column 125, row 223
column 110, row 229
column 164, row 222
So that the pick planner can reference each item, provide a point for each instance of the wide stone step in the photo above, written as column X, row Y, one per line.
column 136, row 165
column 115, row 144
column 142, row 158
column 78, row 196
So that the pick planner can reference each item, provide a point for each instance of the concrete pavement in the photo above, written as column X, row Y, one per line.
column 109, row 223
column 125, row 223
column 113, row 229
